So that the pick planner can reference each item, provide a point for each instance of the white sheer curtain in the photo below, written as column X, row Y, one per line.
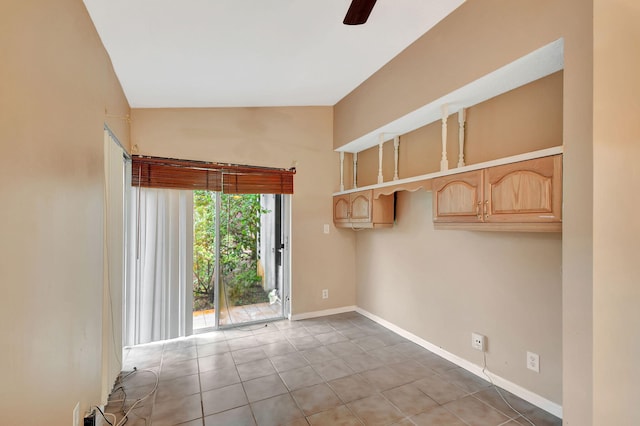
column 158, row 291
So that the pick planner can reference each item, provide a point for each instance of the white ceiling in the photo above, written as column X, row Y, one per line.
column 224, row 53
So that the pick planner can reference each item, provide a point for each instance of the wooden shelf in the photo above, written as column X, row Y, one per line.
column 424, row 181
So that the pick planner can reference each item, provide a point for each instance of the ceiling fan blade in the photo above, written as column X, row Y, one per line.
column 359, row 12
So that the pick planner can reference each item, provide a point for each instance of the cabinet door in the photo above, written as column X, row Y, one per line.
column 458, row 198
column 528, row 191
column 361, row 206
column 341, row 208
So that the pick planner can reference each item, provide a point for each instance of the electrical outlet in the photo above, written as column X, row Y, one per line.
column 478, row 341
column 533, row 362
column 76, row 415
column 325, row 293
column 326, row 228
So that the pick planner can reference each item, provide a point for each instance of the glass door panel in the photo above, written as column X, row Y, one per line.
column 241, row 236
column 249, row 245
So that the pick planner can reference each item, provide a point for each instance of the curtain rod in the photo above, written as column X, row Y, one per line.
column 117, row 141
column 207, row 165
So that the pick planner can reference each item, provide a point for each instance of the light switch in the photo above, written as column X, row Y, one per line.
column 326, row 228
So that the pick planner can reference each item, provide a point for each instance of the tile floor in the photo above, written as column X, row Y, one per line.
column 238, row 315
column 336, row 370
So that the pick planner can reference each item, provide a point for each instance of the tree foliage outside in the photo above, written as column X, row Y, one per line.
column 239, row 236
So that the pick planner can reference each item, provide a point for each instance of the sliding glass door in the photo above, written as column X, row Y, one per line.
column 240, row 258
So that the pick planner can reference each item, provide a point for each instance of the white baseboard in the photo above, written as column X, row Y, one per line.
column 515, row 389
column 323, row 313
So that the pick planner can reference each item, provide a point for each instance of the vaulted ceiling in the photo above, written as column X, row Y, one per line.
column 224, row 53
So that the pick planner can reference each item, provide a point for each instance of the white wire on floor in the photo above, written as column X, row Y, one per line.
column 123, row 420
column 484, row 368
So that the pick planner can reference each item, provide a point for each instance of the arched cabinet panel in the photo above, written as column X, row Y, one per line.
column 456, row 198
column 521, row 196
column 361, row 210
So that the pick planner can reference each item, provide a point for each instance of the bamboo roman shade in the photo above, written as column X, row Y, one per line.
column 155, row 172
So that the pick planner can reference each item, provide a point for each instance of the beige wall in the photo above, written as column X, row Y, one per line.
column 448, row 284
column 277, row 137
column 444, row 285
column 481, row 37
column 522, row 120
column 56, row 81
column 616, row 223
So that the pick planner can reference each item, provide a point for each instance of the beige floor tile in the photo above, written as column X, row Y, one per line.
column 409, row 349
column 369, row 342
column 212, row 349
column 375, row 410
column 278, row 348
column 251, row 374
column 384, row 378
column 363, row 362
column 318, row 355
column 241, row 416
column 288, row 361
column 438, row 389
column 171, row 355
column 412, row 368
column 295, row 332
column 437, row 364
column 475, row 412
column 533, row 413
column 388, row 355
column 220, row 378
column 409, row 399
column 276, row 411
column 342, row 349
column 320, row 329
column 403, row 422
column 331, row 337
column 245, row 342
column 223, row 399
column 177, row 388
column 178, row 369
column 305, row 342
column 264, row 387
column 216, row 362
column 314, row 399
column 352, row 388
column 254, row 369
column 300, row 377
column 175, row 411
column 437, row 416
column 245, row 355
column 338, row 416
column 465, row 380
column 332, row 369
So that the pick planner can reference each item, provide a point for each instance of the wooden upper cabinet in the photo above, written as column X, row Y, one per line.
column 341, row 208
column 361, row 210
column 457, row 198
column 529, row 191
column 361, row 203
column 522, row 196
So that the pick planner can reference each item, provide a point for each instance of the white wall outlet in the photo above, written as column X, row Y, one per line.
column 478, row 341
column 76, row 415
column 325, row 293
column 533, row 362
column 326, row 228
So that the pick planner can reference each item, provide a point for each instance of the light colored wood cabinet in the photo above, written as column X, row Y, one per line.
column 341, row 208
column 523, row 196
column 458, row 198
column 361, row 210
